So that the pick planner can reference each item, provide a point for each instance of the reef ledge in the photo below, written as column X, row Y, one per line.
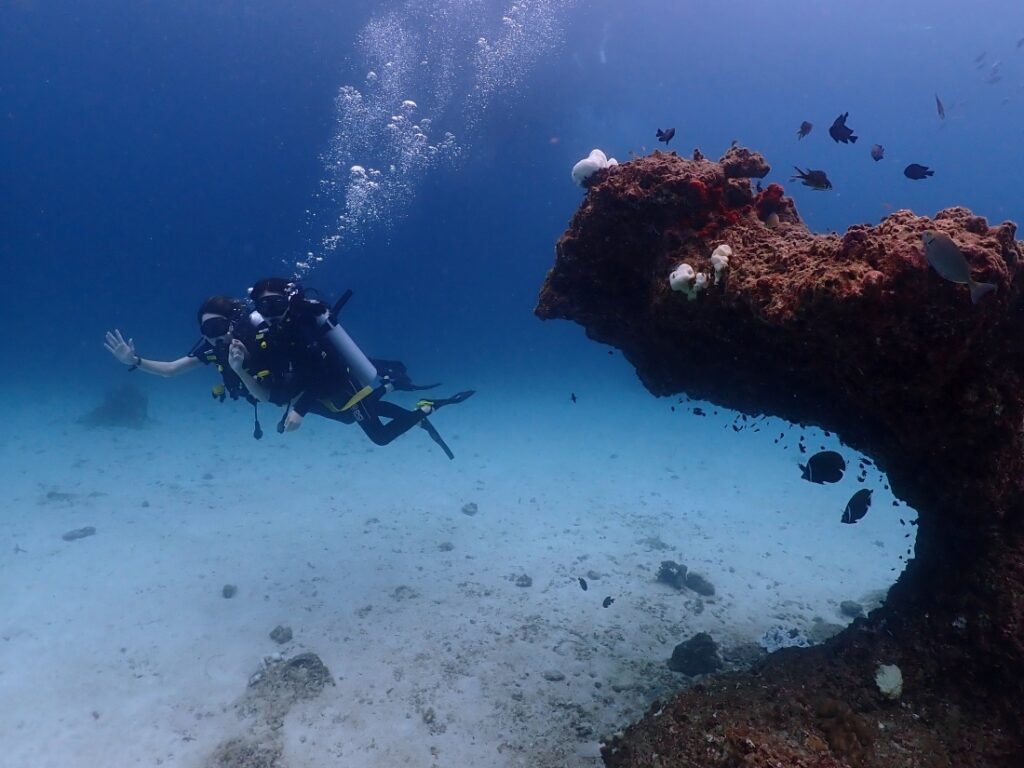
column 856, row 334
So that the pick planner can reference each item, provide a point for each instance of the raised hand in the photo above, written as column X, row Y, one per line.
column 123, row 350
column 236, row 355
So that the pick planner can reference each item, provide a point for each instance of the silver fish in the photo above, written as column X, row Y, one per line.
column 944, row 257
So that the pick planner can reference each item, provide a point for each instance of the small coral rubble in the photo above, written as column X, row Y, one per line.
column 857, row 334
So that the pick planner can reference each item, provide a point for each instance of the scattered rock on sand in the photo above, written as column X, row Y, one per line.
column 672, row 573
column 553, row 676
column 126, row 406
column 281, row 635
column 470, row 508
column 696, row 656
column 522, row 580
column 699, row 584
column 244, row 753
column 79, row 533
column 229, row 591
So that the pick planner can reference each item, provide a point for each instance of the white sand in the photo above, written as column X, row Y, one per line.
column 119, row 650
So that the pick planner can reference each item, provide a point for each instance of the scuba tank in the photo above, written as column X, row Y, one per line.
column 363, row 371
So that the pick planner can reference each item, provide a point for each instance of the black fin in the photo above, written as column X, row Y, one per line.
column 436, row 437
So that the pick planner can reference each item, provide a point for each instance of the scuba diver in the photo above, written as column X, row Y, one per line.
column 309, row 364
column 222, row 325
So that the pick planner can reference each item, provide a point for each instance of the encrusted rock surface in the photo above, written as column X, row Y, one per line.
column 855, row 334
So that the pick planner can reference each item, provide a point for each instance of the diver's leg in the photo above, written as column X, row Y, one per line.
column 401, row 420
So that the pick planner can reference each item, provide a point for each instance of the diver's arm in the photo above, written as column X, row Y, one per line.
column 124, row 352
column 236, row 359
column 167, row 368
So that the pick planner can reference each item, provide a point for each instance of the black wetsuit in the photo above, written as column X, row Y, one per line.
column 209, row 354
column 303, row 372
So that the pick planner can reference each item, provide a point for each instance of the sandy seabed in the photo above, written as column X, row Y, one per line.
column 119, row 648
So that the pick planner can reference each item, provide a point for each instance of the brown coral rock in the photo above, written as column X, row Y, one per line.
column 856, row 334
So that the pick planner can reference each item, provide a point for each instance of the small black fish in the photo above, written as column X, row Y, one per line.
column 917, row 172
column 816, row 180
column 666, row 135
column 583, row 583
column 877, row 152
column 940, row 108
column 824, row 467
column 804, row 129
column 839, row 132
column 980, row 57
column 607, row 601
column 1020, row 42
column 857, row 506
column 699, row 412
column 572, row 396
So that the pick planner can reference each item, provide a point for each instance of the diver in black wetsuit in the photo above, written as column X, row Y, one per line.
column 222, row 323
column 301, row 367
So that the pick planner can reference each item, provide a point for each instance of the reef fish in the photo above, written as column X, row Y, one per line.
column 583, row 583
column 945, row 257
column 877, row 152
column 666, row 135
column 824, row 467
column 607, row 601
column 941, row 109
column 917, row 172
column 804, row 129
column 813, row 179
column 857, row 506
column 839, row 132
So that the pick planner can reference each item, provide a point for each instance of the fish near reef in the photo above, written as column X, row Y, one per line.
column 804, row 129
column 666, row 135
column 857, row 506
column 941, row 109
column 816, row 180
column 917, row 172
column 839, row 132
column 583, row 583
column 823, row 467
column 946, row 258
column 877, row 152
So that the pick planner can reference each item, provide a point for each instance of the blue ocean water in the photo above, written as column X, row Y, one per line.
column 152, row 154
column 156, row 154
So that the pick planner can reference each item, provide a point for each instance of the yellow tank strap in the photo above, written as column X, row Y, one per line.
column 218, row 389
column 358, row 397
column 330, row 406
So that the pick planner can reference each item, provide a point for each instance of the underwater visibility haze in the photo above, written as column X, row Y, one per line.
column 378, row 513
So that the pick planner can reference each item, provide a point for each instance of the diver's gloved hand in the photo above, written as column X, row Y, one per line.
column 292, row 421
column 123, row 350
column 236, row 355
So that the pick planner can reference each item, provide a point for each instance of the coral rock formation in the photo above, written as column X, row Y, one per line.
column 854, row 333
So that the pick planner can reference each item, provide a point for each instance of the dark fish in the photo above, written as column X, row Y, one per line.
column 583, row 583
column 877, row 152
column 940, row 108
column 857, row 506
column 666, row 135
column 572, row 396
column 945, row 257
column 699, row 412
column 839, row 132
column 607, row 601
column 1020, row 42
column 917, row 172
column 804, row 129
column 814, row 179
column 824, row 467
column 980, row 57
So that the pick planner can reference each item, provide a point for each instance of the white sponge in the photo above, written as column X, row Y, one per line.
column 590, row 164
column 889, row 680
column 681, row 278
column 720, row 260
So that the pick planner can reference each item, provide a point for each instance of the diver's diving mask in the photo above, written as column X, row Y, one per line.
column 273, row 305
column 214, row 328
